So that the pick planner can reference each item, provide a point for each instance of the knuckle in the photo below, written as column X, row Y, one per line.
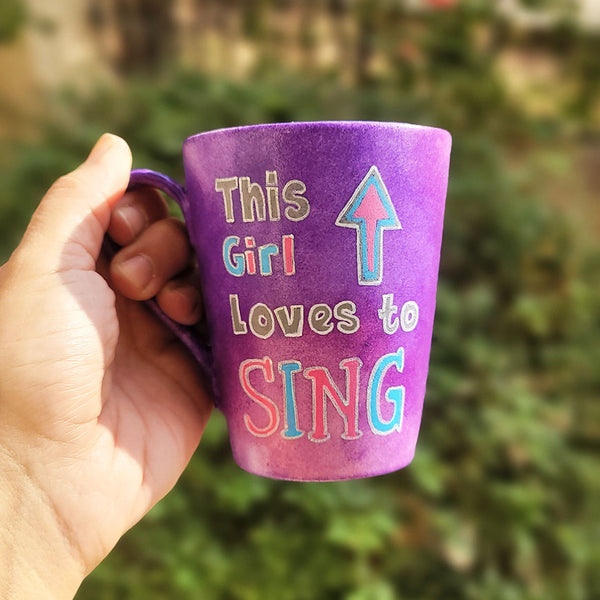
column 68, row 183
column 76, row 183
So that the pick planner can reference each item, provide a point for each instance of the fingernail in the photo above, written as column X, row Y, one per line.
column 192, row 296
column 190, row 305
column 134, row 219
column 139, row 270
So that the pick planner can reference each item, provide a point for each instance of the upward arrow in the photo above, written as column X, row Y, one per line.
column 369, row 211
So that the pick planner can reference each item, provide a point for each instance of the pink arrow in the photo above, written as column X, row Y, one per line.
column 370, row 211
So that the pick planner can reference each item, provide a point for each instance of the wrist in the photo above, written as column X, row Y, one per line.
column 36, row 558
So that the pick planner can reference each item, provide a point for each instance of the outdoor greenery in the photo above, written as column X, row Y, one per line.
column 502, row 501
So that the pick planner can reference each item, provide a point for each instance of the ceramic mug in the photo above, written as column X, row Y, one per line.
column 318, row 248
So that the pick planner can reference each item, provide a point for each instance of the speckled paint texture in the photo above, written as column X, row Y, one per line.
column 318, row 246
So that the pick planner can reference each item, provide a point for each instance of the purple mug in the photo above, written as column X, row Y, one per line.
column 318, row 248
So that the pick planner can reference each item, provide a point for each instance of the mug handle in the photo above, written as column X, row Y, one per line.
column 200, row 350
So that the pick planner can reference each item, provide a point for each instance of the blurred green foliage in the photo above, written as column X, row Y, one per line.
column 502, row 500
column 12, row 19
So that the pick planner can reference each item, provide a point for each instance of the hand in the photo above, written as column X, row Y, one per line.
column 101, row 408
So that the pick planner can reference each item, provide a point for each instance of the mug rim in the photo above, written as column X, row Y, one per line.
column 322, row 124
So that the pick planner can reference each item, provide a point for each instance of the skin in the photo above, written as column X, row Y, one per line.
column 101, row 408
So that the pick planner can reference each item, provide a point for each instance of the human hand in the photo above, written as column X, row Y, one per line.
column 101, row 408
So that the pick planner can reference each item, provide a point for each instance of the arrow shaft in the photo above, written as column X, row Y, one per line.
column 371, row 239
column 368, row 246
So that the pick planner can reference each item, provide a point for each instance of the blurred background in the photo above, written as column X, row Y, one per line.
column 502, row 501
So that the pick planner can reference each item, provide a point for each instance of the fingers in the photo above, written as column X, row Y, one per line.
column 157, row 258
column 160, row 253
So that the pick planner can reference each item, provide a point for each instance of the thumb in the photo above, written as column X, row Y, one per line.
column 68, row 227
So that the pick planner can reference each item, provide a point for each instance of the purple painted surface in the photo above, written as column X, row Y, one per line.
column 355, row 246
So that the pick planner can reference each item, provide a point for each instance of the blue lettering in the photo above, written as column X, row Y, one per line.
column 234, row 261
column 287, row 369
column 394, row 395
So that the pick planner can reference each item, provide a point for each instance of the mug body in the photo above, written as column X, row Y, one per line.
column 318, row 247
